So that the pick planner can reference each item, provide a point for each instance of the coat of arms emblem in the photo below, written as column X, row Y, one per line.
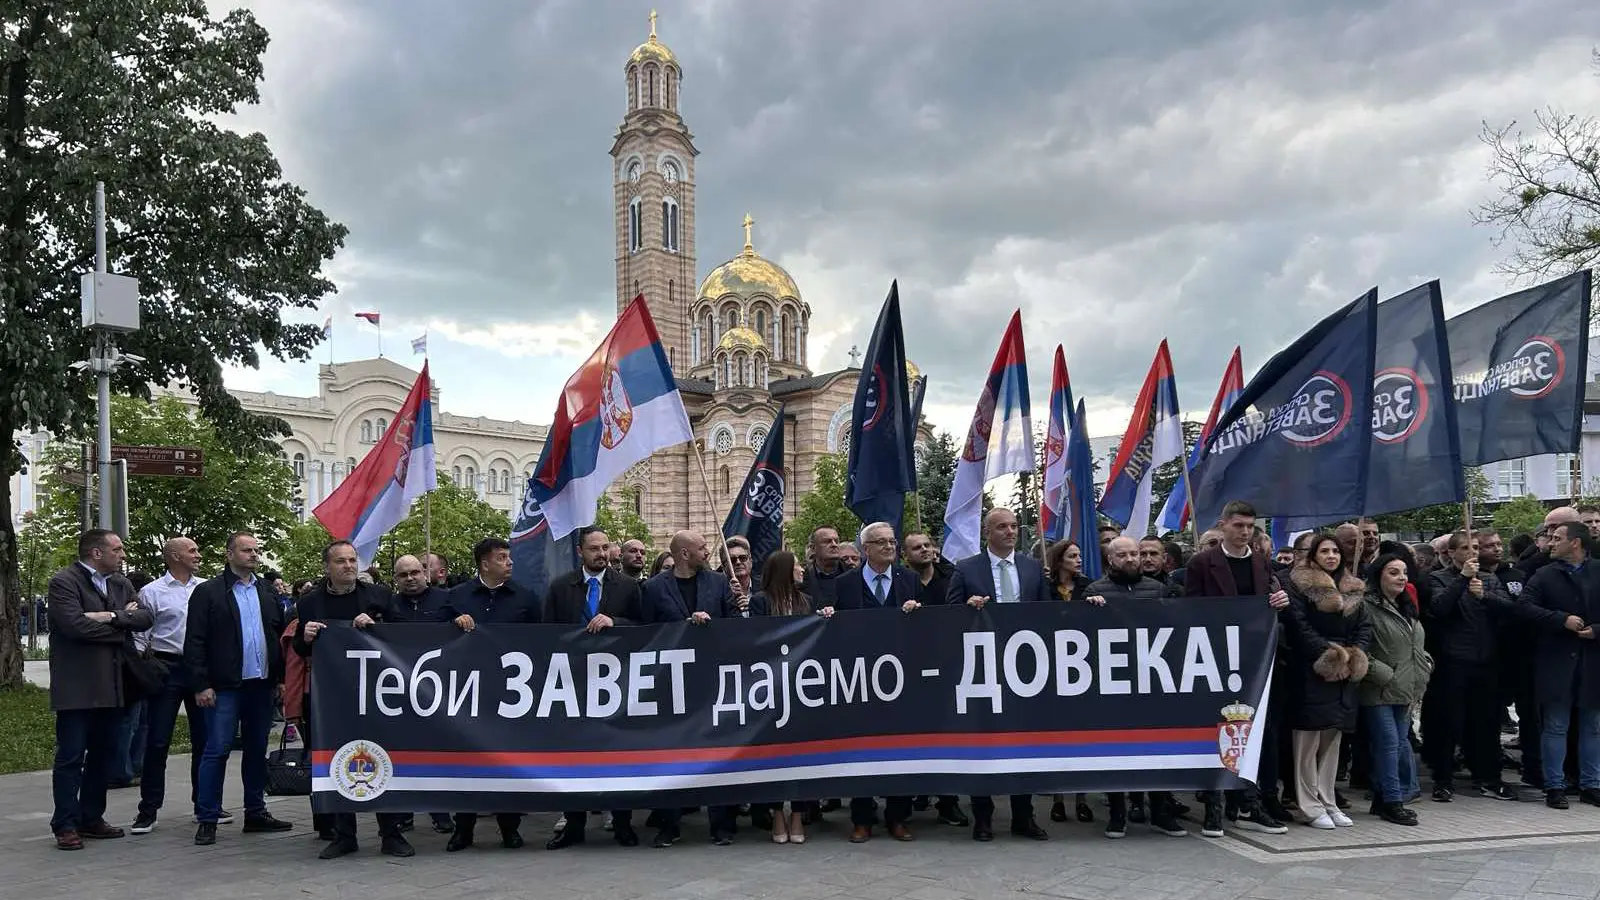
column 360, row 770
column 1233, row 734
column 616, row 410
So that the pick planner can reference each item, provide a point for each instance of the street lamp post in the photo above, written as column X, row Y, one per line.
column 110, row 305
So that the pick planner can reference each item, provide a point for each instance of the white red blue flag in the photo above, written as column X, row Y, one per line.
column 1175, row 514
column 1055, row 513
column 371, row 317
column 1153, row 439
column 376, row 497
column 327, row 328
column 619, row 407
column 999, row 442
column 1085, row 527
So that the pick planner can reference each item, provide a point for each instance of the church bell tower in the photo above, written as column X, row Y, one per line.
column 653, row 162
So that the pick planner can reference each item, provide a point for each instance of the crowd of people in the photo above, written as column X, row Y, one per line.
column 1384, row 649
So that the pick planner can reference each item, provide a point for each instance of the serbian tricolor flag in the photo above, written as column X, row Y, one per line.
column 1084, row 529
column 1175, row 514
column 1154, row 438
column 398, row 470
column 999, row 442
column 619, row 407
column 371, row 317
column 1055, row 514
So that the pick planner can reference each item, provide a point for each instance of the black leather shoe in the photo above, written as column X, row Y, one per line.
column 1552, row 799
column 567, row 838
column 342, row 847
column 261, row 823
column 460, row 840
column 397, row 845
column 954, row 816
column 205, row 835
column 627, row 837
column 1590, row 796
column 982, row 833
column 1032, row 831
column 665, row 838
column 1058, row 811
column 511, row 840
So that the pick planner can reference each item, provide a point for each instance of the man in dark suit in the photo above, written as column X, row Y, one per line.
column 1233, row 569
column 1000, row 575
column 93, row 615
column 878, row 584
column 690, row 592
column 491, row 597
column 231, row 649
column 597, row 597
column 416, row 600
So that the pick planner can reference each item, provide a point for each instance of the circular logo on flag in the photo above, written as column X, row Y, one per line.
column 360, row 770
column 764, row 500
column 1399, row 404
column 982, row 423
column 1318, row 412
column 1542, row 366
column 616, row 410
column 877, row 387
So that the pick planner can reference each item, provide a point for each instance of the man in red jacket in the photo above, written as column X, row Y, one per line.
column 1234, row 569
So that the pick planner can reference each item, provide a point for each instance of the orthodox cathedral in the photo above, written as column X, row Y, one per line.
column 737, row 341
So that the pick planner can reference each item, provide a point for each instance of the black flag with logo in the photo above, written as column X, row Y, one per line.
column 757, row 512
column 1519, row 367
column 882, row 470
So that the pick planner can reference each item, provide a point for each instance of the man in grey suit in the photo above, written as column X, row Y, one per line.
column 1000, row 575
column 93, row 615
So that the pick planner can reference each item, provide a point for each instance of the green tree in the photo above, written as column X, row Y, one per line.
column 130, row 94
column 238, row 492
column 823, row 505
column 1431, row 520
column 1548, row 203
column 621, row 522
column 934, row 477
column 299, row 555
column 459, row 520
column 1524, row 515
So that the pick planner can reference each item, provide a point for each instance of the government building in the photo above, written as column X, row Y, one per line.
column 736, row 339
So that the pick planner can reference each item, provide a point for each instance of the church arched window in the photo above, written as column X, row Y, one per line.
column 670, row 172
column 672, row 90
column 781, row 345
column 761, row 323
column 727, row 372
column 758, row 436
column 708, row 332
column 635, row 225
column 669, row 224
column 723, row 477
column 730, row 319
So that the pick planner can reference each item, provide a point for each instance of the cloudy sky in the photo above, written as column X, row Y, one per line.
column 1121, row 170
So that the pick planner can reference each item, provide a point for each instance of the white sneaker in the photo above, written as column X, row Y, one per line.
column 1323, row 821
column 561, row 825
column 1340, row 819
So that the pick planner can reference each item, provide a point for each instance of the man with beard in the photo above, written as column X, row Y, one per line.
column 933, row 573
column 1151, row 555
column 1369, row 544
column 690, row 591
column 1348, row 537
column 418, row 601
column 1126, row 581
column 633, row 553
column 1516, row 660
column 1232, row 569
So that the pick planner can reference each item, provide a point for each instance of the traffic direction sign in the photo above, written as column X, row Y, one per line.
column 169, row 462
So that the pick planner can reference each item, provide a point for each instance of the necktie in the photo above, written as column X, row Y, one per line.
column 594, row 597
column 880, row 590
column 1008, row 591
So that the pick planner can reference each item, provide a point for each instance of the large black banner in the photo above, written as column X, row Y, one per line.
column 1024, row 698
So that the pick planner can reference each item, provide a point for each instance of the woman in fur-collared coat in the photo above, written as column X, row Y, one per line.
column 1328, row 631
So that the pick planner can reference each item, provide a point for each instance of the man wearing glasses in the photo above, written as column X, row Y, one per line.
column 739, row 572
column 878, row 584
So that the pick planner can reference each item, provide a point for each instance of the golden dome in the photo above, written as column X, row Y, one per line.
column 912, row 372
column 652, row 49
column 741, row 338
column 748, row 274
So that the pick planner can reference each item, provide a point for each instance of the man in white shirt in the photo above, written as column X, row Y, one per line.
column 167, row 598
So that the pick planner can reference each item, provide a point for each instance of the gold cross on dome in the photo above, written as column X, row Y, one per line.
column 652, row 24
column 749, row 223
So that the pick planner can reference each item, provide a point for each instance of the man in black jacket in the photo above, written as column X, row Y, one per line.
column 231, row 650
column 824, row 568
column 342, row 601
column 1462, row 704
column 596, row 597
column 1562, row 599
column 490, row 597
column 1516, row 658
column 1125, row 581
column 418, row 601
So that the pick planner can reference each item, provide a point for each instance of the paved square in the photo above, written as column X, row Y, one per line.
column 1465, row 850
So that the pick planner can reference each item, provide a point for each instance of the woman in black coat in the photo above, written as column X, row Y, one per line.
column 780, row 596
column 1328, row 632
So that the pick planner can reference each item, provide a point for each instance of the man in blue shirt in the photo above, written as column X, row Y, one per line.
column 236, row 669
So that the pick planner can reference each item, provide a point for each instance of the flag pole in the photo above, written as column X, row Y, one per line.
column 711, row 504
column 379, row 323
column 1188, row 497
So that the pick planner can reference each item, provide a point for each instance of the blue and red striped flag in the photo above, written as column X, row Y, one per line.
column 1055, row 513
column 371, row 317
column 1085, row 530
column 1153, row 439
column 1175, row 514
column 619, row 407
column 376, row 497
column 991, row 451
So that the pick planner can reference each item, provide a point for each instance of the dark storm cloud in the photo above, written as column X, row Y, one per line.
column 1216, row 173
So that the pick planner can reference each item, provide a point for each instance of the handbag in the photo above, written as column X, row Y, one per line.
column 288, row 769
column 144, row 675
